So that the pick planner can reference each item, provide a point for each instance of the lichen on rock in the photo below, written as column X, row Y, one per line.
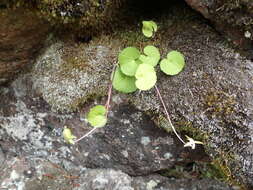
column 66, row 77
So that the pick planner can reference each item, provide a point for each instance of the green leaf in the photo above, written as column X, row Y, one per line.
column 97, row 116
column 146, row 77
column 128, row 60
column 152, row 55
column 67, row 135
column 148, row 28
column 173, row 64
column 123, row 83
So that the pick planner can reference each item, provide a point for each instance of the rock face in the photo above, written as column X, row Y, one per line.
column 34, row 155
column 41, row 175
column 211, row 101
column 131, row 142
column 21, row 36
column 232, row 18
column 116, row 180
column 212, row 97
column 85, row 16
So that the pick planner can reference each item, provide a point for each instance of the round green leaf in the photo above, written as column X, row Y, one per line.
column 173, row 64
column 96, row 116
column 152, row 55
column 152, row 51
column 148, row 27
column 128, row 60
column 130, row 67
column 123, row 83
column 146, row 77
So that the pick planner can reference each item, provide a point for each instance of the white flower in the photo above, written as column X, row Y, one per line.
column 191, row 142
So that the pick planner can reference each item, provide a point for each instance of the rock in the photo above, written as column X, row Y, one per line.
column 212, row 96
column 35, row 173
column 156, row 182
column 130, row 142
column 232, row 18
column 81, row 16
column 2, row 157
column 105, row 179
column 73, row 68
column 211, row 100
column 134, row 145
column 40, row 174
column 21, row 36
column 38, row 158
column 117, row 180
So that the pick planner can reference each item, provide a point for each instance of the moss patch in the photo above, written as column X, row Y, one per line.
column 220, row 169
column 219, row 103
column 183, row 127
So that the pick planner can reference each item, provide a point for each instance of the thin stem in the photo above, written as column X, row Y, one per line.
column 87, row 134
column 167, row 115
column 107, row 105
column 109, row 94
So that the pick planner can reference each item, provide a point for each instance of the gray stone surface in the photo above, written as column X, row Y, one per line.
column 234, row 19
column 39, row 174
column 211, row 99
column 116, row 180
column 2, row 157
column 130, row 142
column 213, row 94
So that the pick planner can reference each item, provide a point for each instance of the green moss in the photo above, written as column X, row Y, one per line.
column 219, row 169
column 189, row 129
column 82, row 17
column 73, row 59
column 78, row 103
column 131, row 38
column 182, row 126
column 219, row 103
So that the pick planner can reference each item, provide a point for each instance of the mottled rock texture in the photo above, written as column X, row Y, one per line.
column 116, row 180
column 211, row 101
column 88, row 15
column 130, row 142
column 35, row 156
column 234, row 18
column 22, row 34
column 40, row 174
column 212, row 96
column 24, row 29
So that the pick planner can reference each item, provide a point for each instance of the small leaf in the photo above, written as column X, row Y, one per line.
column 152, row 55
column 148, row 28
column 128, row 60
column 67, row 135
column 96, row 116
column 123, row 83
column 173, row 64
column 146, row 77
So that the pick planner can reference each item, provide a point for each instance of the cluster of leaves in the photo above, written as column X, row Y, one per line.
column 136, row 70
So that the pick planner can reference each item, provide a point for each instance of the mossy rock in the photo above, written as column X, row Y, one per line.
column 86, row 16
